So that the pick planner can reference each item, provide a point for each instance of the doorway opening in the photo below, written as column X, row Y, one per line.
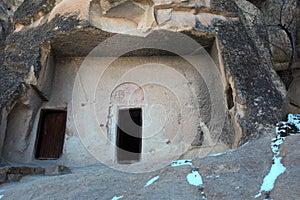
column 51, row 134
column 129, row 135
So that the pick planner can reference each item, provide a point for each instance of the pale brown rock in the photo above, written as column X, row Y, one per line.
column 71, row 7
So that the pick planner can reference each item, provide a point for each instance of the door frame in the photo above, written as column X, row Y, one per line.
column 114, row 127
column 40, row 116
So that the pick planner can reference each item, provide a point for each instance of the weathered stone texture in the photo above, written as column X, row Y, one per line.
column 227, row 6
column 73, row 28
column 30, row 11
column 294, row 92
column 14, row 174
column 36, row 32
column 276, row 15
column 257, row 97
column 287, row 185
column 236, row 175
column 23, row 53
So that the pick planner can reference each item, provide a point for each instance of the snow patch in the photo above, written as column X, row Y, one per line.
column 283, row 129
column 227, row 152
column 276, row 169
column 245, row 144
column 212, row 176
column 258, row 195
column 194, row 178
column 295, row 119
column 217, row 154
column 181, row 162
column 1, row 196
column 117, row 197
column 152, row 180
column 223, row 153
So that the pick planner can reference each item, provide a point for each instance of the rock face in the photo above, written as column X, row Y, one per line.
column 44, row 46
column 13, row 174
column 236, row 174
column 290, row 159
column 253, row 44
column 294, row 92
column 283, row 32
column 39, row 35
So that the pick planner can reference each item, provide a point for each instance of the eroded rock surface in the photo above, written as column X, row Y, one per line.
column 35, row 33
column 286, row 185
column 236, row 174
column 69, row 28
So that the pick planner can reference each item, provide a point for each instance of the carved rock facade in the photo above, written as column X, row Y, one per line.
column 44, row 42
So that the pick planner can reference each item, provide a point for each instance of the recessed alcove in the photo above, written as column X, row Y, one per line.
column 162, row 90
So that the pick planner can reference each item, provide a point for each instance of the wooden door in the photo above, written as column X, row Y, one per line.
column 129, row 135
column 51, row 133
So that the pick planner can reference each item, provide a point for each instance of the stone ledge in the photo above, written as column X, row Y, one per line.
column 13, row 174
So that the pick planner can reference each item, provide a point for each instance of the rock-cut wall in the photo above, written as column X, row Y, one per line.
column 36, row 33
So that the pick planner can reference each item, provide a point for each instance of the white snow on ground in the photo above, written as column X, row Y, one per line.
column 276, row 142
column 2, row 195
column 194, row 178
column 213, row 177
column 181, row 162
column 277, row 167
column 117, row 197
column 217, row 154
column 295, row 119
column 152, row 180
column 269, row 181
column 226, row 152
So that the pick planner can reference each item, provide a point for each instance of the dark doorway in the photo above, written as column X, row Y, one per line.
column 129, row 135
column 51, row 134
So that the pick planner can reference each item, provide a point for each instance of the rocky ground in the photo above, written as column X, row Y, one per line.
column 236, row 174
